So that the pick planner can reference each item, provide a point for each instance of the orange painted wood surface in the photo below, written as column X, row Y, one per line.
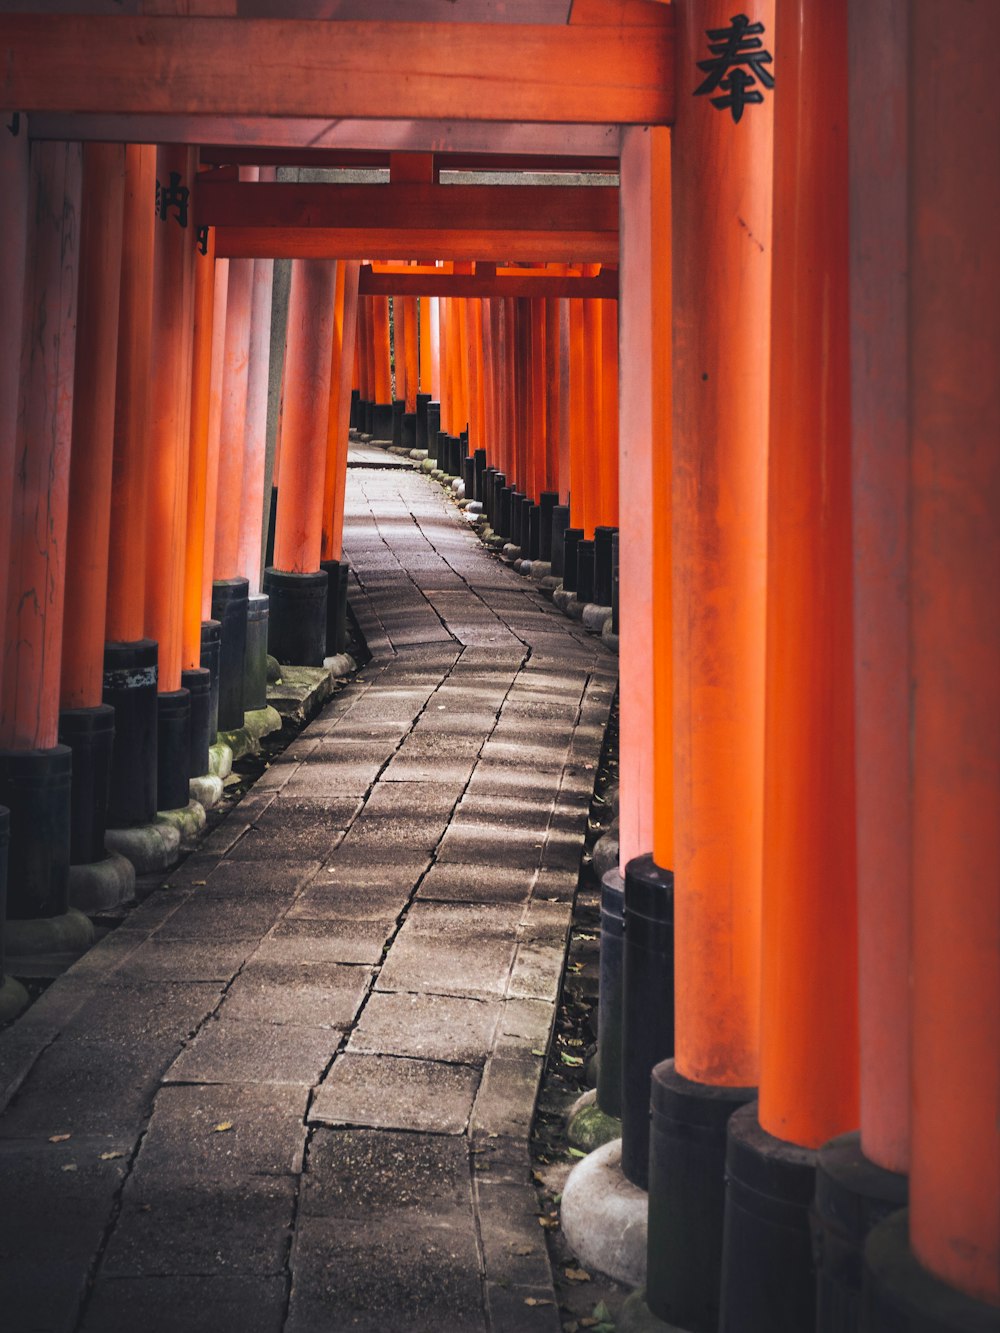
column 553, row 395
column 426, row 355
column 280, row 68
column 378, row 242
column 380, row 347
column 127, row 551
column 308, row 360
column 809, row 1053
column 249, row 555
column 29, row 703
column 14, row 229
column 531, row 282
column 954, row 397
column 220, row 299
column 721, row 219
column 376, row 158
column 202, row 333
column 169, row 418
column 881, row 483
column 89, row 530
column 350, row 325
column 235, row 383
column 608, row 425
column 645, row 417
column 412, row 357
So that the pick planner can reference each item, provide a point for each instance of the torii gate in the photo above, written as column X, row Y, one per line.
column 599, row 78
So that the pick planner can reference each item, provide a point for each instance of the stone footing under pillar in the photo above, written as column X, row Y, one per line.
column 13, row 999
column 188, row 820
column 151, row 848
column 101, row 886
column 603, row 1217
column 37, row 946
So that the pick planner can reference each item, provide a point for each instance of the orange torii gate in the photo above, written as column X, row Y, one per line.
column 582, row 78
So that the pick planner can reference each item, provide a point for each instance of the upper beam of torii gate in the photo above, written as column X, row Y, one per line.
column 587, row 73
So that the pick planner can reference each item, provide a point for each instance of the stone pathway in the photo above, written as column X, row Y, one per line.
column 293, row 1090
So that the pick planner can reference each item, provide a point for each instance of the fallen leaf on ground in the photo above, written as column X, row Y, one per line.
column 575, row 1152
column 601, row 1313
column 70, row 1166
column 577, row 1274
column 110, row 1156
column 548, row 1222
column 521, row 1249
column 533, row 1300
column 570, row 1059
column 198, row 883
column 223, row 1126
column 59, row 1138
column 537, row 1052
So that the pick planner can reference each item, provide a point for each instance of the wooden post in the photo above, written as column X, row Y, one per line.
column 220, row 301
column 607, row 425
column 296, row 585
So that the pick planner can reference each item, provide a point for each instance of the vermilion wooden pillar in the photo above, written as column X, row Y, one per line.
column 553, row 402
column 296, row 585
column 86, row 724
column 336, row 569
column 607, row 473
column 426, row 360
column 949, row 1275
column 809, row 1052
column 721, row 228
column 169, row 431
column 34, row 768
column 382, row 383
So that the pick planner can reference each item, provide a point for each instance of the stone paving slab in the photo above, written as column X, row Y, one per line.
column 298, row 1081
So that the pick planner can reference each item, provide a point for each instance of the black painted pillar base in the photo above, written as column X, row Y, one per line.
column 211, row 650
column 547, row 502
column 433, row 430
column 687, row 1197
column 272, row 520
column 409, row 430
column 902, row 1296
column 297, row 625
column 130, row 679
column 229, row 607
column 13, row 996
column 852, row 1196
column 609, row 1008
column 355, row 409
column 603, row 560
column 398, row 408
column 768, row 1281
column 557, row 542
column 382, row 422
column 585, row 570
column 571, row 539
column 337, row 573
column 198, row 683
column 614, row 583
column 647, row 1002
column 89, row 733
column 423, row 399
column 534, row 532
column 35, row 788
column 173, row 759
column 255, row 661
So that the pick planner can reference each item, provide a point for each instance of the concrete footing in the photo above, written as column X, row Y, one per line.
column 256, row 725
column 596, row 617
column 207, row 789
column 188, row 820
column 341, row 664
column 13, row 999
column 151, row 848
column 220, row 760
column 588, row 1127
column 101, row 886
column 33, row 944
column 636, row 1317
column 603, row 1217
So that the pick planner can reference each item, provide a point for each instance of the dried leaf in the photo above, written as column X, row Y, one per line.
column 69, row 1166
column 59, row 1138
column 568, row 1059
column 521, row 1250
column 110, row 1156
column 223, row 1126
column 198, row 883
column 575, row 1152
column 537, row 1052
column 577, row 1274
column 601, row 1313
column 533, row 1300
column 548, row 1222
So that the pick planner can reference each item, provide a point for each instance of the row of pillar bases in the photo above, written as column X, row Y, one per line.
column 734, row 1230
column 70, row 811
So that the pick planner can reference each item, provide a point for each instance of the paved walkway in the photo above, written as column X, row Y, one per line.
column 293, row 1091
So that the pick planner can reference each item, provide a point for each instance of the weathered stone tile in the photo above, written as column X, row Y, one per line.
column 358, row 1175
column 194, row 1304
column 234, row 1051
column 475, row 882
column 341, row 941
column 452, row 949
column 428, row 1027
column 506, row 1100
column 384, row 1092
column 306, row 994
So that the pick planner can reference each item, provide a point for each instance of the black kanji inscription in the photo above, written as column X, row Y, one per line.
column 737, row 66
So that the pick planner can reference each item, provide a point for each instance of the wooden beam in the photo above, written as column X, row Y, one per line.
column 516, row 246
column 373, row 159
column 405, row 206
column 276, row 68
column 512, row 282
column 438, row 136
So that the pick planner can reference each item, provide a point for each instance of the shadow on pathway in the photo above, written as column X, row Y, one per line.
column 293, row 1091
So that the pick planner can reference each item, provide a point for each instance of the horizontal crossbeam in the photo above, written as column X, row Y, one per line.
column 310, row 68
column 505, row 282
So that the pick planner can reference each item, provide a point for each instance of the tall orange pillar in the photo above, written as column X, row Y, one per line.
column 211, row 629
column 342, row 358
column 130, row 659
column 382, row 384
column 230, row 586
column 35, row 770
column 169, row 428
column 946, row 1273
column 296, row 584
column 86, row 724
column 809, row 1036
column 721, row 227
